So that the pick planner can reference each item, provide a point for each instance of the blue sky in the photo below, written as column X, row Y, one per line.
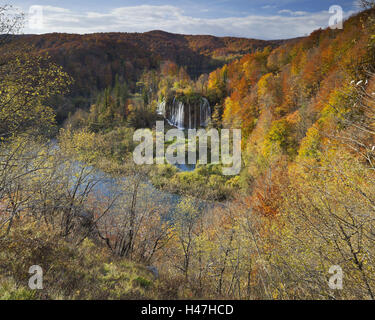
column 263, row 19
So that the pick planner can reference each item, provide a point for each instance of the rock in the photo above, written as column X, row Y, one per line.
column 154, row 271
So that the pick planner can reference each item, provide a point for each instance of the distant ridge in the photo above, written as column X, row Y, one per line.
column 198, row 53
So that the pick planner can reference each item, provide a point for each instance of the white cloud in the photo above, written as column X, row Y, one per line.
column 269, row 7
column 172, row 19
column 55, row 9
column 293, row 13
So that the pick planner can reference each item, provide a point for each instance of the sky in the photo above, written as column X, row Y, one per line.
column 260, row 19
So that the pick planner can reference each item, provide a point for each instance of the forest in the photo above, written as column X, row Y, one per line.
column 73, row 201
column 95, row 60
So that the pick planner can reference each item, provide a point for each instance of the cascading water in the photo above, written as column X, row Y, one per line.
column 161, row 108
column 177, row 113
column 185, row 116
column 190, row 116
column 205, row 112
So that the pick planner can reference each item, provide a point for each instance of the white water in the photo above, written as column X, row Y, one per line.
column 177, row 112
column 161, row 108
column 205, row 112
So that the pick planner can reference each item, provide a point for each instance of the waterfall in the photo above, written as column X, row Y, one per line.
column 205, row 112
column 189, row 116
column 177, row 112
column 186, row 116
column 161, row 108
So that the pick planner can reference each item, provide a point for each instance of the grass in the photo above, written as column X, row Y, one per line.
column 87, row 271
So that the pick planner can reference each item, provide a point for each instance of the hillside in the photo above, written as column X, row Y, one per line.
column 94, row 60
column 199, row 54
column 301, row 86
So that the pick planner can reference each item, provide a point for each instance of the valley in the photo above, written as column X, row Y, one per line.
column 295, row 117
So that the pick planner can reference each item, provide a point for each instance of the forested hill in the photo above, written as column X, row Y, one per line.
column 292, row 101
column 95, row 59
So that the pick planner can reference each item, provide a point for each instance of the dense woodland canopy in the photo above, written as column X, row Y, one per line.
column 303, row 202
column 94, row 60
